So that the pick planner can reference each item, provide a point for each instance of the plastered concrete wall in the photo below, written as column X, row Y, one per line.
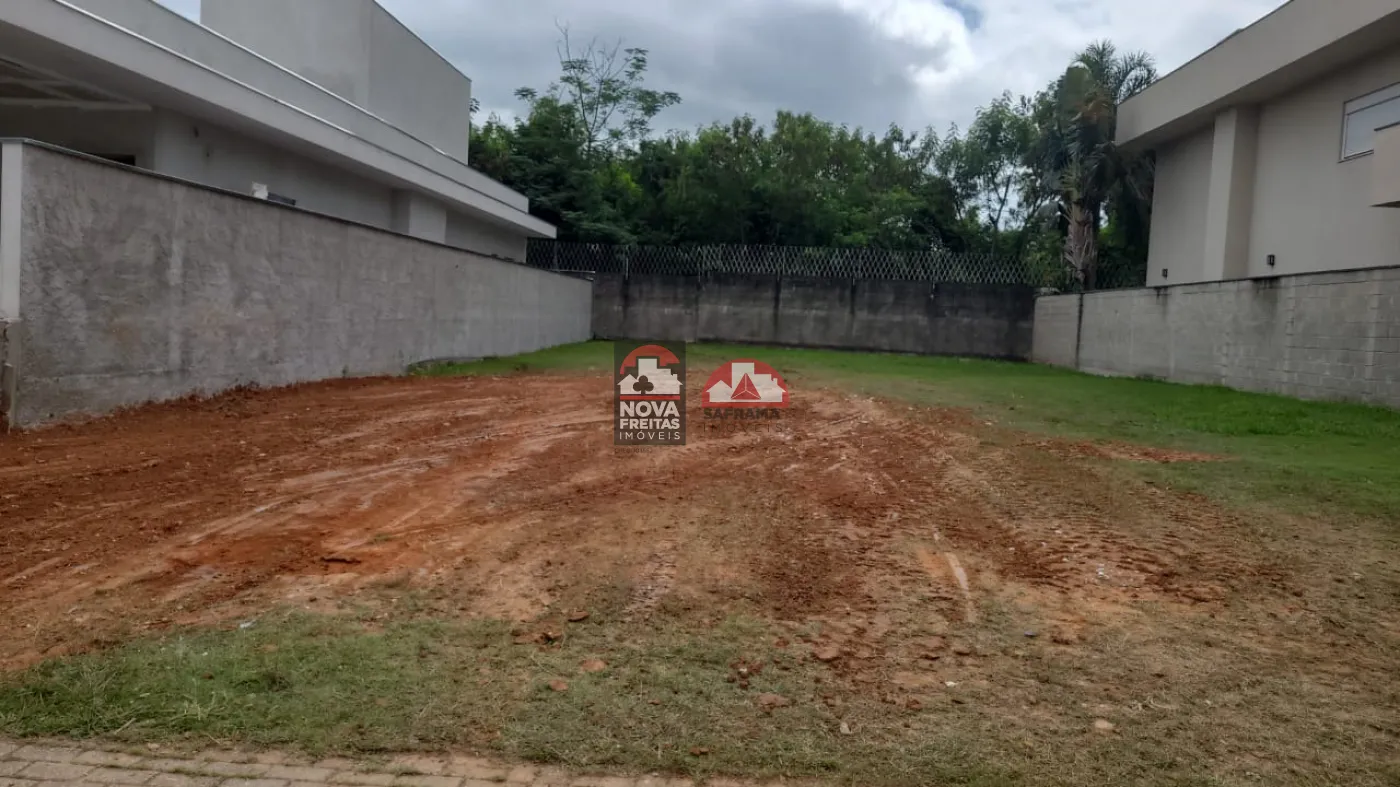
column 465, row 232
column 9, row 370
column 326, row 41
column 357, row 50
column 11, row 217
column 415, row 88
column 206, row 153
column 1332, row 335
column 136, row 288
column 1179, row 198
column 1311, row 209
column 1299, row 38
column 934, row 319
column 281, row 49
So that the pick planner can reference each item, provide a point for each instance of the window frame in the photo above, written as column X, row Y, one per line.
column 1361, row 103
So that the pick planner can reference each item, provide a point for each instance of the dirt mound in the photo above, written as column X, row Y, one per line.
column 505, row 497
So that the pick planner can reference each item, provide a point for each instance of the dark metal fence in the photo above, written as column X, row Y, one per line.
column 931, row 265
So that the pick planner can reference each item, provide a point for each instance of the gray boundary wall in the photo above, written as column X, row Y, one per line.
column 893, row 316
column 134, row 287
column 1332, row 335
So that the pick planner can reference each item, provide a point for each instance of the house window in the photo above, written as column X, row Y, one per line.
column 1366, row 114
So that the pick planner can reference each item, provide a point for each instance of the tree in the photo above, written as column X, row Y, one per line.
column 570, row 153
column 603, row 84
column 1028, row 175
column 1077, row 153
column 989, row 164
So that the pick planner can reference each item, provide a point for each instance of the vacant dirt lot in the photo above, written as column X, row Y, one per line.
column 506, row 498
column 934, row 576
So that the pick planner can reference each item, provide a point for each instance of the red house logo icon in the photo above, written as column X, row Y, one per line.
column 745, row 383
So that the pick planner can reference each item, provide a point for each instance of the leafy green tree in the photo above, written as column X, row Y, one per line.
column 543, row 156
column 1078, row 156
column 1027, row 176
column 989, row 165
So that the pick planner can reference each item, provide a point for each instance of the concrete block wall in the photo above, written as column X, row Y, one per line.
column 1332, row 335
column 135, row 287
column 1054, row 337
column 935, row 319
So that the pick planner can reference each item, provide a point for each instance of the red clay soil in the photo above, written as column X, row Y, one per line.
column 505, row 497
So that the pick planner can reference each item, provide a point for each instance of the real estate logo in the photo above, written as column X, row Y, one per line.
column 649, row 393
column 745, row 389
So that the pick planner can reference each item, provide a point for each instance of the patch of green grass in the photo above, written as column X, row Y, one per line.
column 666, row 701
column 323, row 684
column 1289, row 454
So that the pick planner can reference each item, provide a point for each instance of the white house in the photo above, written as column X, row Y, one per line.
column 1277, row 150
column 331, row 105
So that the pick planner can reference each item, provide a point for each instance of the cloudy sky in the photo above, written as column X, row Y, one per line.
column 860, row 62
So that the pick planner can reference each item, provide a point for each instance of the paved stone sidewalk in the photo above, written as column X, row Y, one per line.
column 44, row 764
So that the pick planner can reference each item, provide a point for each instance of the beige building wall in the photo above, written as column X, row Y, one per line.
column 1311, row 209
column 1301, row 39
column 1177, row 243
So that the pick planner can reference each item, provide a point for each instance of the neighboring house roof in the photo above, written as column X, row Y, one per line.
column 1298, row 42
column 189, row 69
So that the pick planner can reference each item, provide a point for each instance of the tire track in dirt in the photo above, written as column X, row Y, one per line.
column 504, row 497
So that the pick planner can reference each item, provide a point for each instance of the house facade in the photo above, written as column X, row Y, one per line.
column 1278, row 151
column 329, row 105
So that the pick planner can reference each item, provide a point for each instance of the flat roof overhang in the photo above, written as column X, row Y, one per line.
column 1297, row 43
column 62, row 39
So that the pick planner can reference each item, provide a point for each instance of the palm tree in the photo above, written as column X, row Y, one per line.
column 1077, row 155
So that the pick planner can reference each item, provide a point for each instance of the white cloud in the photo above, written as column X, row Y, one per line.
column 915, row 62
column 1021, row 45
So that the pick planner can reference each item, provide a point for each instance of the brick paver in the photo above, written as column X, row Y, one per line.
column 428, row 781
column 241, row 782
column 242, row 770
column 181, row 780
column 107, row 758
column 51, row 765
column 299, row 773
column 362, row 778
column 118, row 776
column 38, row 753
column 55, row 771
